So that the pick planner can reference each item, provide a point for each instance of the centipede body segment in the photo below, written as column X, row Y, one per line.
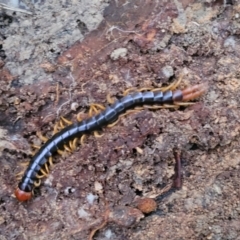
column 111, row 113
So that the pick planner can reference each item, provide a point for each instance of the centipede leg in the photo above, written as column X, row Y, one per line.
column 94, row 108
column 163, row 89
column 46, row 168
column 37, row 183
column 79, row 117
column 82, row 139
column 24, row 164
column 114, row 123
column 68, row 122
column 56, row 128
column 61, row 124
column 19, row 175
column 40, row 176
column 109, row 99
column 50, row 161
column 126, row 92
column 36, row 149
column 60, row 152
column 44, row 173
column 184, row 104
column 121, row 116
column 66, row 147
column 161, row 106
column 42, row 138
column 97, row 135
column 73, row 144
column 35, row 146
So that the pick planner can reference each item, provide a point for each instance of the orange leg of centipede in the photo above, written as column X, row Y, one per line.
column 42, row 138
column 19, row 175
column 43, row 172
column 58, row 126
column 60, row 152
column 172, row 87
column 61, row 124
column 95, row 108
column 37, row 183
column 110, row 100
column 123, row 115
column 50, row 161
column 73, row 144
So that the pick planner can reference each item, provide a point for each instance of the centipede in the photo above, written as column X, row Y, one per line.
column 68, row 135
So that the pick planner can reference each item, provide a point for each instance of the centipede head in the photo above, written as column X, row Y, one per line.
column 22, row 196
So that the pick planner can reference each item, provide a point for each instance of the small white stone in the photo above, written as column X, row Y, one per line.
column 108, row 234
column 82, row 213
column 167, row 71
column 119, row 53
column 90, row 198
column 74, row 106
column 98, row 186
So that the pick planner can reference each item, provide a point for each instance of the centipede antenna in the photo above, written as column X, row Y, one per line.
column 42, row 138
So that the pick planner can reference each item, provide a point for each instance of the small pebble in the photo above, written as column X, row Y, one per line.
column 146, row 205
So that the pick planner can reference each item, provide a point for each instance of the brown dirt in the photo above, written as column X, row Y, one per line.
column 156, row 43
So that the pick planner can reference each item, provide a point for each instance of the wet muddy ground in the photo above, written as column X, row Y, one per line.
column 53, row 63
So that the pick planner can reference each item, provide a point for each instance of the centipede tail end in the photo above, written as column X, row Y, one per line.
column 194, row 91
column 22, row 195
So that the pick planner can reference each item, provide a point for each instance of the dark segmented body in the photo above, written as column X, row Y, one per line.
column 77, row 129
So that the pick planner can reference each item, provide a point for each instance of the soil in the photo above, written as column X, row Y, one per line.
column 67, row 55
